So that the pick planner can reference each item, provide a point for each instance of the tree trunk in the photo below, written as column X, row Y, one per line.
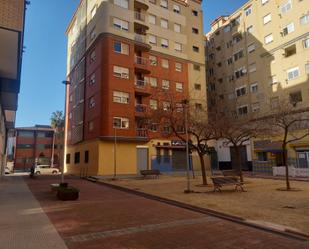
column 284, row 160
column 238, row 161
column 203, row 169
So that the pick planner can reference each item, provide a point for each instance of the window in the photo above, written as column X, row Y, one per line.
column 164, row 4
column 251, row 48
column 229, row 44
column 304, row 19
column 166, row 105
column 237, row 38
column 86, row 159
column 229, row 61
column 93, row 11
column 238, row 55
column 296, row 97
column 92, row 34
column 176, row 8
column 255, row 107
column 197, row 86
column 153, row 104
column 121, row 72
column 195, row 49
column 196, row 67
column 242, row 110
column 179, row 107
column 248, row 10
column 268, row 39
column 122, row 3
column 153, row 60
column 194, row 13
column 164, row 23
column 121, row 48
column 267, row 18
column 286, row 7
column 25, row 133
column 68, row 158
column 293, row 73
column 70, row 115
column 165, row 84
column 227, row 28
column 178, row 67
column 177, row 27
column 164, row 43
column 306, row 43
column 120, row 24
column 274, row 102
column 179, row 87
column 194, row 30
column 90, row 125
column 24, row 146
column 154, row 127
column 254, row 87
column 262, row 156
column 240, row 72
column 264, row 1
column 121, row 123
column 178, row 46
column 250, row 29
column 288, row 29
column 91, row 102
column 92, row 79
column 121, row 97
column 164, row 63
column 152, row 19
column 92, row 56
column 241, row 91
column 290, row 50
column 153, row 82
column 252, row 68
column 76, row 157
column 152, row 39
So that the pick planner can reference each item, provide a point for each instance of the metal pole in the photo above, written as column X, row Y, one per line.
column 66, row 83
column 188, row 190
column 115, row 147
column 53, row 150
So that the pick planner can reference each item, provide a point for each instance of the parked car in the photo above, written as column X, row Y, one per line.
column 45, row 170
column 7, row 170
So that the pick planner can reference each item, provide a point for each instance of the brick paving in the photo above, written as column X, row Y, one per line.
column 107, row 218
column 23, row 223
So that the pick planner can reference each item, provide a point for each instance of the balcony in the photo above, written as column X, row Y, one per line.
column 141, row 132
column 142, row 87
column 141, row 64
column 141, row 110
column 141, row 4
column 141, row 42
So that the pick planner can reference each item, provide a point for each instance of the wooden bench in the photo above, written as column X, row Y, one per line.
column 150, row 172
column 220, row 181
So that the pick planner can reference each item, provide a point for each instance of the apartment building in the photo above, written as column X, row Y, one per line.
column 257, row 57
column 34, row 146
column 12, row 14
column 121, row 53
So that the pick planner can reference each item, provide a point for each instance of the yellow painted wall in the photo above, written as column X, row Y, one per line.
column 82, row 168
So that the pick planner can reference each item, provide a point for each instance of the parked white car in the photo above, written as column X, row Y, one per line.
column 45, row 170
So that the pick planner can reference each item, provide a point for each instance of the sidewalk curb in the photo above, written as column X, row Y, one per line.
column 285, row 233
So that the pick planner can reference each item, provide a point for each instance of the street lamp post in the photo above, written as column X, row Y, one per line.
column 66, row 83
column 185, row 104
column 115, row 155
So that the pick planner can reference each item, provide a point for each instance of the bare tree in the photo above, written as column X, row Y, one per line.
column 171, row 114
column 289, row 123
column 236, row 132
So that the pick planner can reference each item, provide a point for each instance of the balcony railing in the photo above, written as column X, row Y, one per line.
column 140, row 108
column 141, row 132
column 139, row 16
column 140, row 84
column 140, row 38
column 141, row 60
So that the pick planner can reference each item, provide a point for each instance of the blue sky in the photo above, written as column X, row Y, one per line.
column 44, row 61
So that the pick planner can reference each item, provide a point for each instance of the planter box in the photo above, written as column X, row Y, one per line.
column 67, row 194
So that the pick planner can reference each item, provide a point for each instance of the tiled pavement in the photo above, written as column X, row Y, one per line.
column 23, row 224
column 107, row 218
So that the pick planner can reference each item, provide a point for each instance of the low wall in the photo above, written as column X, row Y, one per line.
column 280, row 171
